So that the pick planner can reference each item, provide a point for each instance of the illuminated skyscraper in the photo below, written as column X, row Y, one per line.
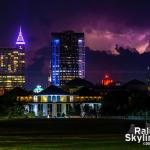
column 67, row 57
column 12, row 65
column 148, row 78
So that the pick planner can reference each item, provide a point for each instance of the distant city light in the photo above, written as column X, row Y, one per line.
column 20, row 39
column 106, row 81
column 38, row 89
column 80, row 41
column 106, row 76
column 56, row 41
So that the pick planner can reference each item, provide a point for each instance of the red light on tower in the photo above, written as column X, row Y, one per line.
column 106, row 81
column 106, row 76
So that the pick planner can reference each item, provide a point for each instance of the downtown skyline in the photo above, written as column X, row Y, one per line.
column 104, row 27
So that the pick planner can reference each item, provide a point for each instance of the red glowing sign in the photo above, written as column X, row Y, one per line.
column 106, row 81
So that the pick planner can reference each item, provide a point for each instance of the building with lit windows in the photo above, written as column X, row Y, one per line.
column 67, row 57
column 12, row 65
column 55, row 102
column 52, row 102
column 106, row 81
column 148, row 78
column 49, row 102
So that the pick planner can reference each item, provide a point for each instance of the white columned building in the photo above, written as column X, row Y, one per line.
column 50, row 102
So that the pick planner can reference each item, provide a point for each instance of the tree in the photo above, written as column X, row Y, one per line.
column 115, row 103
column 126, row 103
column 9, row 106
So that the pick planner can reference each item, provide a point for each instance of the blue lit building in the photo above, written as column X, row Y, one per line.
column 67, row 57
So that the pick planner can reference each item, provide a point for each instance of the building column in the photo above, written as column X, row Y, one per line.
column 36, row 109
column 82, row 109
column 63, row 108
column 45, row 110
column 54, row 110
column 27, row 108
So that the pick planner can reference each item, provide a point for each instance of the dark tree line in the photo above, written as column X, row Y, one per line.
column 126, row 103
column 9, row 106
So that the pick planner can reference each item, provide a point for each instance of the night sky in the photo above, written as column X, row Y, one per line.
column 104, row 22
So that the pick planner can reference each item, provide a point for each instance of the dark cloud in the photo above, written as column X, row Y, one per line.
column 126, row 66
column 38, row 71
column 120, row 18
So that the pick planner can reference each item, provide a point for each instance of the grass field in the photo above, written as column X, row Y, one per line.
column 69, row 134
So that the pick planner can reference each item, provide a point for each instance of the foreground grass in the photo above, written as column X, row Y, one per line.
column 68, row 143
column 73, row 134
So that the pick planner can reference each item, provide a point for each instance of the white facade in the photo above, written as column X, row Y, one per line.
column 50, row 105
column 49, row 109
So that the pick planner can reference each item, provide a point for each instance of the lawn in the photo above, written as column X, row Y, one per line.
column 66, row 134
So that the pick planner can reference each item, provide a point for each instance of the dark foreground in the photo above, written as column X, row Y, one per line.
column 69, row 134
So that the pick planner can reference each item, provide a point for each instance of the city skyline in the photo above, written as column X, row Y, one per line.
column 118, row 75
column 104, row 27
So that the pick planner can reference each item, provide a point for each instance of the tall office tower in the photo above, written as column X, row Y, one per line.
column 148, row 78
column 12, row 65
column 67, row 57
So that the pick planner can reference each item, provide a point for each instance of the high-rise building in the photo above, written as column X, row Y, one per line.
column 12, row 65
column 148, row 78
column 67, row 57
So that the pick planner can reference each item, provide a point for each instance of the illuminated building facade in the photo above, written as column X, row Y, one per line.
column 12, row 65
column 50, row 102
column 148, row 78
column 67, row 57
column 106, row 81
column 55, row 102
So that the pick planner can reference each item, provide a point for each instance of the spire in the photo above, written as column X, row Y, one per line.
column 20, row 39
